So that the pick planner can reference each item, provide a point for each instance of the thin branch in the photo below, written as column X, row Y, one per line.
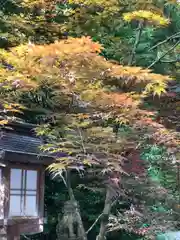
column 26, row 237
column 171, row 61
column 159, row 59
column 98, row 218
column 62, row 177
column 82, row 142
column 176, row 35
column 137, row 41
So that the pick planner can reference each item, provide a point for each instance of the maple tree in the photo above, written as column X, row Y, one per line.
column 83, row 15
column 87, row 113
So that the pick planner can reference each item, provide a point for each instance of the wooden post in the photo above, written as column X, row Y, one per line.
column 3, row 233
column 11, row 237
column 13, row 232
column 16, row 238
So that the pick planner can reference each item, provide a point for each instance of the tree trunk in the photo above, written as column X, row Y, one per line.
column 105, row 217
column 137, row 41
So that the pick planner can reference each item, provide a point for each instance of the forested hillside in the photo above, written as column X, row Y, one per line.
column 101, row 81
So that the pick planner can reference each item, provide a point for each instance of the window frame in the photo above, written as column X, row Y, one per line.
column 2, row 183
column 1, row 172
column 39, row 193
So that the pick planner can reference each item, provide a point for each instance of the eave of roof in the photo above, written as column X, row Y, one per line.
column 21, row 146
column 19, row 157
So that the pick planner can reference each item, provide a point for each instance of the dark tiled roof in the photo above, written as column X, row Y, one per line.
column 19, row 143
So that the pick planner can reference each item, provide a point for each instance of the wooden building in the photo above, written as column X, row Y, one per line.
column 22, row 168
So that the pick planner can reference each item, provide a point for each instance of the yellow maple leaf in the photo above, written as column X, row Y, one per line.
column 3, row 122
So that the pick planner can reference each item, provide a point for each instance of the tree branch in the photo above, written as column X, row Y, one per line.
column 137, row 41
column 176, row 35
column 97, row 219
column 82, row 142
column 105, row 216
column 159, row 59
column 25, row 237
column 171, row 61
